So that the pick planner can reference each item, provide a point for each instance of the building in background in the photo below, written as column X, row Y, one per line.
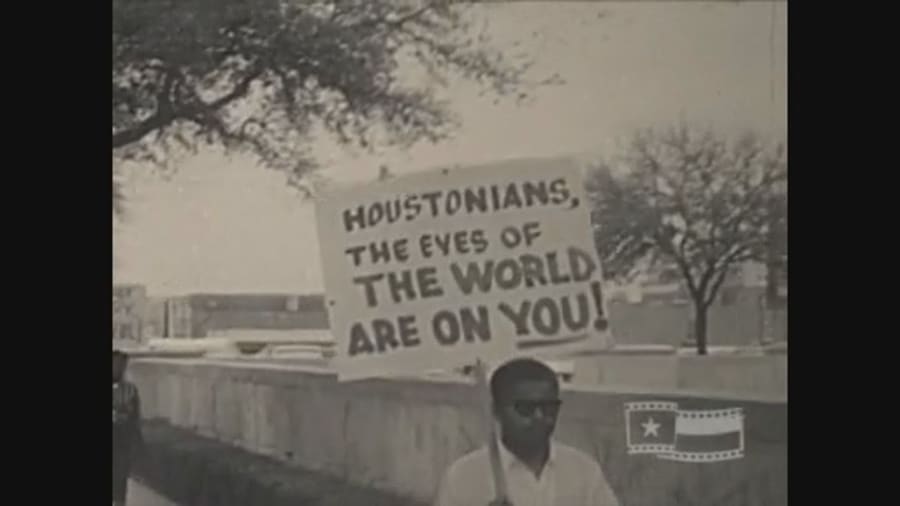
column 208, row 315
column 655, row 311
column 129, row 314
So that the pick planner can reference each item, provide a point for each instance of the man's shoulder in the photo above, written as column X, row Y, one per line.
column 478, row 460
column 467, row 480
column 575, row 456
column 473, row 462
column 474, row 457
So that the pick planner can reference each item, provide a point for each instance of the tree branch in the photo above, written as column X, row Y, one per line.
column 136, row 133
column 685, row 269
column 167, row 115
column 721, row 271
column 390, row 23
column 397, row 23
column 703, row 285
column 239, row 91
column 668, row 248
column 745, row 208
column 716, row 286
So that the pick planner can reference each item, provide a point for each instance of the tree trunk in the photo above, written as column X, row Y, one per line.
column 700, row 327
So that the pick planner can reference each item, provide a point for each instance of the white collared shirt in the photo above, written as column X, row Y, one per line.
column 570, row 478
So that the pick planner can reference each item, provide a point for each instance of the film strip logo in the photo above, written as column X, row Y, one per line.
column 669, row 433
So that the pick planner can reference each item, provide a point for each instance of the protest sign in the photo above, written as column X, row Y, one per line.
column 439, row 269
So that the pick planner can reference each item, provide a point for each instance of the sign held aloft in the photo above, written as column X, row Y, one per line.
column 440, row 269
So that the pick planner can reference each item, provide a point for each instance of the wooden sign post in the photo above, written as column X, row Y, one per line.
column 490, row 429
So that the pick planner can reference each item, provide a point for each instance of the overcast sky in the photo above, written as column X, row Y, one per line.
column 225, row 225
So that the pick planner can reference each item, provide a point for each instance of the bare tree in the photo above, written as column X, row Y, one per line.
column 691, row 198
column 262, row 75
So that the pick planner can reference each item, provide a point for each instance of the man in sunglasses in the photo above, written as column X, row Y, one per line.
column 539, row 471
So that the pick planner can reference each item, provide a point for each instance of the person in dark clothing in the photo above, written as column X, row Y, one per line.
column 127, row 437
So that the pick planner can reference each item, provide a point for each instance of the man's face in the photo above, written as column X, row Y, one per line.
column 118, row 368
column 528, row 412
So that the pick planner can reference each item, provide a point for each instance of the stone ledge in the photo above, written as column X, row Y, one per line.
column 197, row 471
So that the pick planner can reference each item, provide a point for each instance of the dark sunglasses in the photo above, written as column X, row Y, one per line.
column 528, row 408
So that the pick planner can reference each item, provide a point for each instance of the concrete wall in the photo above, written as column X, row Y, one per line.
column 742, row 375
column 738, row 323
column 400, row 435
column 763, row 375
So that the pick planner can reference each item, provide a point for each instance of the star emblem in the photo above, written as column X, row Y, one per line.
column 650, row 428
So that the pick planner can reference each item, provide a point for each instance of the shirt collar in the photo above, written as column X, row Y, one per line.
column 510, row 461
